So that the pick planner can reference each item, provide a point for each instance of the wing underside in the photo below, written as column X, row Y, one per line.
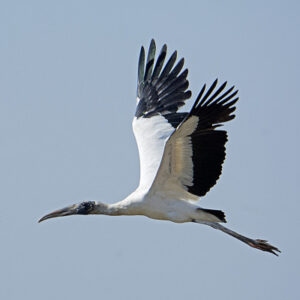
column 162, row 90
column 194, row 153
column 180, row 153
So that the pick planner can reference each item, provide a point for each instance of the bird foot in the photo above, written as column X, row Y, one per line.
column 264, row 246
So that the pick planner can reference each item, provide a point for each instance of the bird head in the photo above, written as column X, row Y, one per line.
column 83, row 208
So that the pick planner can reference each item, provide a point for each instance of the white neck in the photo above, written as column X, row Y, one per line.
column 124, row 207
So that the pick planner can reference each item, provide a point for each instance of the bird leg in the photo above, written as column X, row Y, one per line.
column 258, row 244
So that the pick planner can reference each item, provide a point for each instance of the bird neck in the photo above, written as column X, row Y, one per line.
column 115, row 209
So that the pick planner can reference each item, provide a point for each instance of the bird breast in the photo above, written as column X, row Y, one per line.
column 177, row 211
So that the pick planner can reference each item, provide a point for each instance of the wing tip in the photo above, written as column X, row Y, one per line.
column 158, row 82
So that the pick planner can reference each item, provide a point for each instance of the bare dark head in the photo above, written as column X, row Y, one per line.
column 84, row 208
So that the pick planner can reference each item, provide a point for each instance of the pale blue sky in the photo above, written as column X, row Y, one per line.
column 67, row 97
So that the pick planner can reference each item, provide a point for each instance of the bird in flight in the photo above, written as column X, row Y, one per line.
column 181, row 153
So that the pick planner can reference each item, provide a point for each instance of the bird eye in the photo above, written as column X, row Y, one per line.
column 85, row 207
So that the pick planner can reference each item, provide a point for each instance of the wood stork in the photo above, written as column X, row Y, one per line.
column 181, row 153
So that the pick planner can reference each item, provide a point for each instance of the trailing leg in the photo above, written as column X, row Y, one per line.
column 258, row 244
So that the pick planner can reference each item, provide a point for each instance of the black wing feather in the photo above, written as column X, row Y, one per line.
column 208, row 144
column 168, row 67
column 160, row 62
column 150, row 60
column 141, row 68
column 164, row 90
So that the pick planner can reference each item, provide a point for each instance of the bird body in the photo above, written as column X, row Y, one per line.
column 181, row 153
column 159, row 206
column 162, row 206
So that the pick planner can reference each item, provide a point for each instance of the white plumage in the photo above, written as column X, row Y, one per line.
column 181, row 154
column 151, row 136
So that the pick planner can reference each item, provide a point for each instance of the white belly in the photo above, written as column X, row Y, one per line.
column 177, row 211
column 162, row 207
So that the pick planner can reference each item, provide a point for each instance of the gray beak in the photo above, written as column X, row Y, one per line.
column 67, row 211
column 83, row 208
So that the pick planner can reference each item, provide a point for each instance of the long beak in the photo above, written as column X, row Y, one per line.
column 67, row 211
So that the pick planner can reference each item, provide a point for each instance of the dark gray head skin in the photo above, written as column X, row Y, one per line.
column 83, row 208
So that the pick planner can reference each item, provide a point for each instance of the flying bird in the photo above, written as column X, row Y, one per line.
column 181, row 153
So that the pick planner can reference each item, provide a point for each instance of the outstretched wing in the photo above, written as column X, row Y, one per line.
column 162, row 89
column 194, row 154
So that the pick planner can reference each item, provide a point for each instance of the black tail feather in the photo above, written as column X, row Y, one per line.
column 217, row 213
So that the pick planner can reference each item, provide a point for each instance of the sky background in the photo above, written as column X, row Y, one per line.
column 67, row 97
